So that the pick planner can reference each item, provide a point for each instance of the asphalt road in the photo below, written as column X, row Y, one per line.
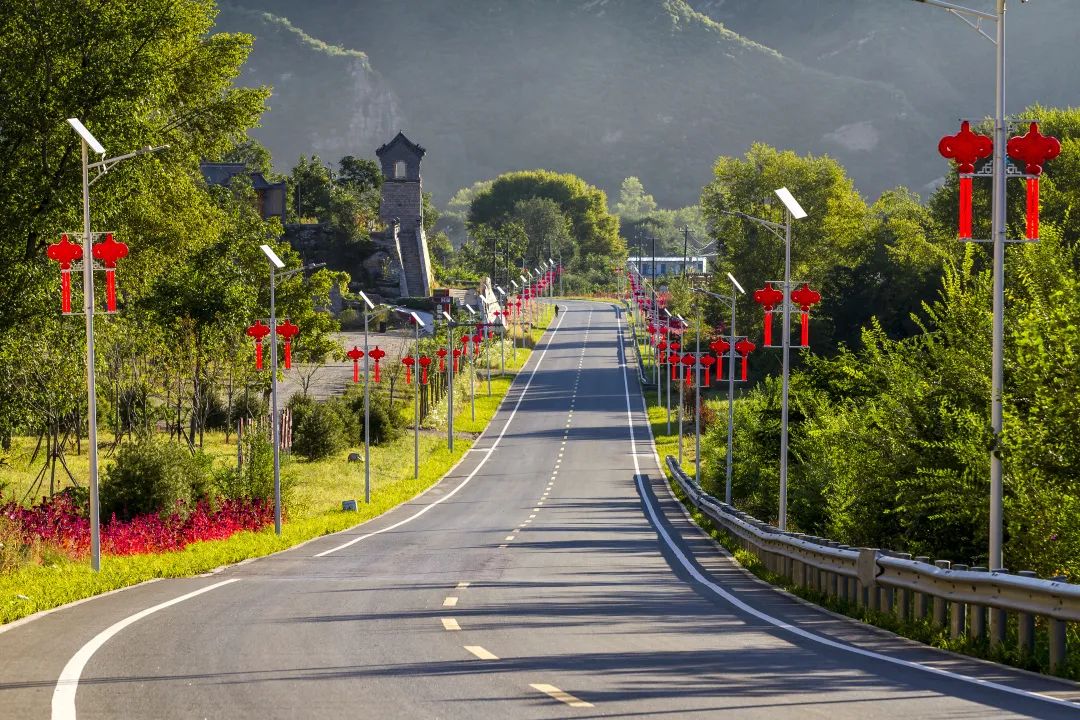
column 550, row 575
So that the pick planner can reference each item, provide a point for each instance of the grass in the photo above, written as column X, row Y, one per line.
column 314, row 508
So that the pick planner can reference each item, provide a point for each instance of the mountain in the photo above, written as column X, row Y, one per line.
column 612, row 88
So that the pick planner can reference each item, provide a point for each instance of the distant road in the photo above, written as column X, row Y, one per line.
column 550, row 575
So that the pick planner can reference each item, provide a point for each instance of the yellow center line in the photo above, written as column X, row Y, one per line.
column 481, row 652
column 560, row 695
column 450, row 601
column 450, row 624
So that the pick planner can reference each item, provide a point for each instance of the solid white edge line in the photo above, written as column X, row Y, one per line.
column 63, row 699
column 776, row 622
column 475, row 470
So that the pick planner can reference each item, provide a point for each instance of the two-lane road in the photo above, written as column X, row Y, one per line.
column 550, row 575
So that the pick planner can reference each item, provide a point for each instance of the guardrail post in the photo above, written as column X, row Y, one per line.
column 957, row 613
column 939, row 602
column 903, row 595
column 977, row 616
column 1025, row 625
column 867, row 567
column 998, row 620
column 886, row 599
column 1056, row 630
column 922, row 601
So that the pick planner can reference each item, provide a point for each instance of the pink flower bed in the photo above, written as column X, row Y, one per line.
column 57, row 522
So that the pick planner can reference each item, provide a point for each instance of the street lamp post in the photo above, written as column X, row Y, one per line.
column 682, row 323
column 367, row 402
column 997, row 372
column 792, row 210
column 275, row 422
column 472, row 376
column 417, row 324
column 735, row 286
column 89, row 142
column 450, row 380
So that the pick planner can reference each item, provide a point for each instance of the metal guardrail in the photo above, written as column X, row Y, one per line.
column 971, row 602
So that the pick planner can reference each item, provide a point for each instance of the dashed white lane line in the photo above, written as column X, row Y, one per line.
column 508, row 538
column 450, row 624
column 63, row 699
column 481, row 653
column 462, row 585
column 475, row 471
column 450, row 602
column 559, row 695
column 536, row 509
column 502, row 547
column 532, row 516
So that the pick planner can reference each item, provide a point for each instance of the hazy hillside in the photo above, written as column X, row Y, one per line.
column 601, row 88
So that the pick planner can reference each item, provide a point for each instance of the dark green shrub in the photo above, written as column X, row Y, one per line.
column 386, row 421
column 318, row 430
column 153, row 477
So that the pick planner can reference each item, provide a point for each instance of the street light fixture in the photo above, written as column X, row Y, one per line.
column 89, row 142
column 275, row 422
column 367, row 401
column 792, row 210
column 974, row 19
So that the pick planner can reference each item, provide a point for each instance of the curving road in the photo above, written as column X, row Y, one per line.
column 550, row 575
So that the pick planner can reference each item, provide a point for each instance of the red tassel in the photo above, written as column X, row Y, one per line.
column 288, row 354
column 65, row 291
column 805, row 329
column 688, row 378
column 768, row 327
column 258, row 353
column 706, row 374
column 673, row 375
column 408, row 375
column 965, row 208
column 376, row 371
column 744, row 363
column 110, row 290
column 423, row 375
column 1033, row 208
column 356, row 371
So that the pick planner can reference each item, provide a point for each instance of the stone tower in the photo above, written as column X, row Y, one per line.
column 402, row 210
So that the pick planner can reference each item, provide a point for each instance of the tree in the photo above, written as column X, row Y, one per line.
column 359, row 174
column 634, row 203
column 594, row 231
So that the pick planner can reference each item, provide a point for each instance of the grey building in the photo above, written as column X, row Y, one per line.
column 402, row 211
column 269, row 196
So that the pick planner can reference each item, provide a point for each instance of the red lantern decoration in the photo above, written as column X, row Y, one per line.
column 721, row 347
column 662, row 346
column 673, row 357
column 64, row 252
column 708, row 361
column 355, row 354
column 109, row 251
column 687, row 360
column 457, row 354
column 464, row 347
column 258, row 331
column 966, row 148
column 424, row 362
column 768, row 297
column 377, row 355
column 804, row 297
column 408, row 362
column 1033, row 149
column 476, row 340
column 744, row 347
column 287, row 330
column 441, row 352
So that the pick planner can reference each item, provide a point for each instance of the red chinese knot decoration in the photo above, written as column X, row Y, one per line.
column 966, row 148
column 768, row 298
column 408, row 362
column 109, row 251
column 287, row 330
column 64, row 252
column 258, row 331
column 441, row 352
column 355, row 354
column 1033, row 149
column 425, row 361
column 804, row 297
column 744, row 347
column 377, row 354
column 721, row 347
